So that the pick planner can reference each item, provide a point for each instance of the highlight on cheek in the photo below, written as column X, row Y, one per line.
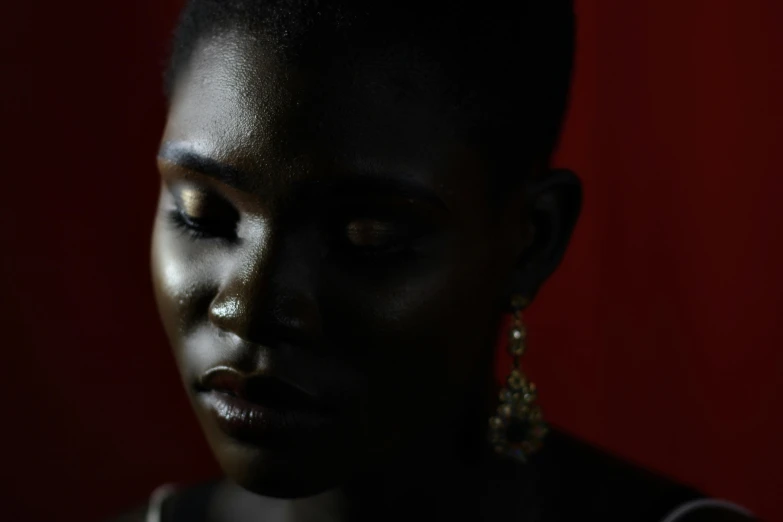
column 171, row 267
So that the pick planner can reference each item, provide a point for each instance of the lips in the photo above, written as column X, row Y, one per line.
column 261, row 408
column 260, row 389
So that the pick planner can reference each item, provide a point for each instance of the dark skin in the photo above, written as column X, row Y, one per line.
column 346, row 238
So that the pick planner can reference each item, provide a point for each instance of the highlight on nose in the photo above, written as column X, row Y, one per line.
column 224, row 312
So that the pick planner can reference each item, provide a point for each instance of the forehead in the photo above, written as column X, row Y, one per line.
column 238, row 102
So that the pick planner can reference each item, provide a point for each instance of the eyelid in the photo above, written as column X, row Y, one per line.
column 192, row 201
column 201, row 203
column 376, row 230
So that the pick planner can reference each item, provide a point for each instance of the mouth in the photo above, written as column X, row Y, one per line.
column 259, row 389
column 260, row 408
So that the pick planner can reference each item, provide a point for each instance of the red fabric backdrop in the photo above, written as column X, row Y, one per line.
column 659, row 338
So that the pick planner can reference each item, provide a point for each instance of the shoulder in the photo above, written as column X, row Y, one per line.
column 171, row 503
column 575, row 480
column 710, row 510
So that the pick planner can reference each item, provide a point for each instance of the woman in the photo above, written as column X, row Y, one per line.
column 352, row 197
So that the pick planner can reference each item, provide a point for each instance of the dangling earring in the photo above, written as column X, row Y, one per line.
column 517, row 428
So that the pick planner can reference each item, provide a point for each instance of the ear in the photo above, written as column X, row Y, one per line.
column 553, row 203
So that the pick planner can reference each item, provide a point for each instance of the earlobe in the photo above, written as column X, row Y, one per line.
column 554, row 201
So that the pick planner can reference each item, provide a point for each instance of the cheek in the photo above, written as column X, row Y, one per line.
column 422, row 342
column 182, row 280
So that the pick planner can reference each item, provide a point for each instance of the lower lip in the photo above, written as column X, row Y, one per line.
column 262, row 425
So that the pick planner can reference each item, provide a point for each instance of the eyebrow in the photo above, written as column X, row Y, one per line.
column 358, row 186
column 189, row 159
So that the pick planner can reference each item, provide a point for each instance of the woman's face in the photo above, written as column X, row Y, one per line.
column 326, row 261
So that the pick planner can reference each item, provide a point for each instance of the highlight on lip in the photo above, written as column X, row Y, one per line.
column 258, row 388
column 260, row 408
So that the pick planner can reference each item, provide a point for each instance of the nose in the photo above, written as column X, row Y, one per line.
column 267, row 295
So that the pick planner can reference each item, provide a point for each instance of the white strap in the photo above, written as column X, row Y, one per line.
column 157, row 497
column 690, row 507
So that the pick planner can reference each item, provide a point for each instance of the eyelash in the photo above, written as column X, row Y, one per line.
column 192, row 229
column 195, row 232
column 394, row 252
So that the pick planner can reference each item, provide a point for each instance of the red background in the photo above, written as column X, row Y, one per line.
column 659, row 338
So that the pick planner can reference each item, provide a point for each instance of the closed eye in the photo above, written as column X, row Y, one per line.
column 203, row 215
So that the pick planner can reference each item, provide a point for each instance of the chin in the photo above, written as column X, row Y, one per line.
column 276, row 452
column 278, row 473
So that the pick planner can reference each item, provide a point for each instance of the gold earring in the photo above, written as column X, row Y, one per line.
column 517, row 428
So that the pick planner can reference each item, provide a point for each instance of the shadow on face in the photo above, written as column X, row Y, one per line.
column 327, row 263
